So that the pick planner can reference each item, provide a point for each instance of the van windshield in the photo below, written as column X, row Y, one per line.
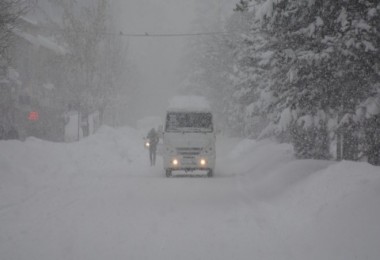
column 188, row 122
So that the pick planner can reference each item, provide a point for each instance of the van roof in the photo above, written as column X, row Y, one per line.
column 189, row 103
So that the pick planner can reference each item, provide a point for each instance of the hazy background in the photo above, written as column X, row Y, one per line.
column 79, row 58
column 157, row 58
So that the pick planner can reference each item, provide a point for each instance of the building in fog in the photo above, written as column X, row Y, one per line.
column 38, row 55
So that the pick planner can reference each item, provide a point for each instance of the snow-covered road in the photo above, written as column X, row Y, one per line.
column 99, row 199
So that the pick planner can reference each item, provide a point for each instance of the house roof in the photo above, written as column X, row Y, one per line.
column 42, row 41
column 44, row 15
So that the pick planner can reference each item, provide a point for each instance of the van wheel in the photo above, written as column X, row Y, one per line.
column 168, row 173
column 210, row 173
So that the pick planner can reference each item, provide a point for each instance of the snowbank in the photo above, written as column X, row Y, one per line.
column 26, row 167
column 324, row 209
column 99, row 199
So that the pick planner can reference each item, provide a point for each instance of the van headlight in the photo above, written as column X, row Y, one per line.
column 175, row 162
column 203, row 162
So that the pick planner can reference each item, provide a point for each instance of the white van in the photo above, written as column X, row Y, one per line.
column 189, row 136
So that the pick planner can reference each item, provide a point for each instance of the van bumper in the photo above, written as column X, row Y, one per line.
column 178, row 163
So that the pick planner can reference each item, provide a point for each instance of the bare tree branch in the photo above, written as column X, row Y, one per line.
column 10, row 11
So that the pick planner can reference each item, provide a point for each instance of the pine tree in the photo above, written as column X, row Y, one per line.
column 10, row 11
column 320, row 46
column 208, row 60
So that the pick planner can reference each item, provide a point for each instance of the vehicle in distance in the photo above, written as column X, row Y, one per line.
column 189, row 136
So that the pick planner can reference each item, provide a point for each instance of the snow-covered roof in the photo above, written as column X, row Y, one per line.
column 372, row 106
column 28, row 20
column 189, row 103
column 43, row 41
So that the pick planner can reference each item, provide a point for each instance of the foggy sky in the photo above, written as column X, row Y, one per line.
column 157, row 58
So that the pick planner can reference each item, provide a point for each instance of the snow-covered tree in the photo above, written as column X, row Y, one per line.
column 326, row 61
column 298, row 69
column 254, row 61
column 208, row 59
column 10, row 11
column 97, row 59
column 84, row 28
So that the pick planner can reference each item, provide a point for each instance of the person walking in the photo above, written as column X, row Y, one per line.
column 153, row 141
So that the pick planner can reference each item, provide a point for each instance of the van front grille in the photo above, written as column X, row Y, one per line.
column 189, row 150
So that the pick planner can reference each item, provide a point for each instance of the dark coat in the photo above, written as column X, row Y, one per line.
column 153, row 138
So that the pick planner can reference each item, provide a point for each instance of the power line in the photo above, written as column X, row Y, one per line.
column 146, row 34
column 171, row 34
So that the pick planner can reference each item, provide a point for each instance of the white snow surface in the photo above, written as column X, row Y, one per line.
column 99, row 199
column 189, row 103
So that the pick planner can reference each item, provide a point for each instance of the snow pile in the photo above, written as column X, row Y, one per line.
column 25, row 168
column 320, row 209
column 99, row 199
